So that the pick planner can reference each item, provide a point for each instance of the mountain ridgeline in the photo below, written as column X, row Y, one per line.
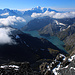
column 68, row 36
column 37, row 24
column 48, row 26
column 37, row 9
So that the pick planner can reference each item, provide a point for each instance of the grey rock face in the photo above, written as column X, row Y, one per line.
column 60, row 66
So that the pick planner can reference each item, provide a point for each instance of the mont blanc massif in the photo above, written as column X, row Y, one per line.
column 39, row 41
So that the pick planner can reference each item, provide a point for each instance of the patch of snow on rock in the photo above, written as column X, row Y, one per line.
column 17, row 36
column 72, row 68
column 10, row 66
column 71, row 59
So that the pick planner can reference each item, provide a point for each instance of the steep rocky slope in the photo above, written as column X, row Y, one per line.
column 37, row 24
column 70, row 44
column 49, row 30
column 67, row 32
column 25, row 47
column 68, row 36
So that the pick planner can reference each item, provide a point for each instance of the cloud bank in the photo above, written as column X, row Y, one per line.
column 11, row 20
column 54, row 14
column 4, row 36
column 4, row 14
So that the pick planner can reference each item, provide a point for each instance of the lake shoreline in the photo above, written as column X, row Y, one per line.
column 53, row 39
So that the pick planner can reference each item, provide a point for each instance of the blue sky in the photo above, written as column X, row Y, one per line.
column 27, row 4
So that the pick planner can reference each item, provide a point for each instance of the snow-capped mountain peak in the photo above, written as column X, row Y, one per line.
column 38, row 7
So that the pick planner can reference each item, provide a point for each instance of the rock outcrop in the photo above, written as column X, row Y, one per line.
column 62, row 65
column 17, row 68
column 59, row 66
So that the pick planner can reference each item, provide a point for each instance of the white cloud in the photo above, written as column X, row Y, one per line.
column 54, row 14
column 11, row 20
column 64, row 15
column 4, row 14
column 4, row 36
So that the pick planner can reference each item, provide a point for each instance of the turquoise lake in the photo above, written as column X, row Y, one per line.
column 53, row 39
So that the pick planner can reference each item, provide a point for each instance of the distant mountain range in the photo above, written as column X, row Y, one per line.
column 20, row 16
column 37, row 9
column 18, row 19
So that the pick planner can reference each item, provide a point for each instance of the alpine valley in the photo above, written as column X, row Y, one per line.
column 38, row 41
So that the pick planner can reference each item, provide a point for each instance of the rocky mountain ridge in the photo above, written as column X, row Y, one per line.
column 68, row 36
column 49, row 26
column 57, row 67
